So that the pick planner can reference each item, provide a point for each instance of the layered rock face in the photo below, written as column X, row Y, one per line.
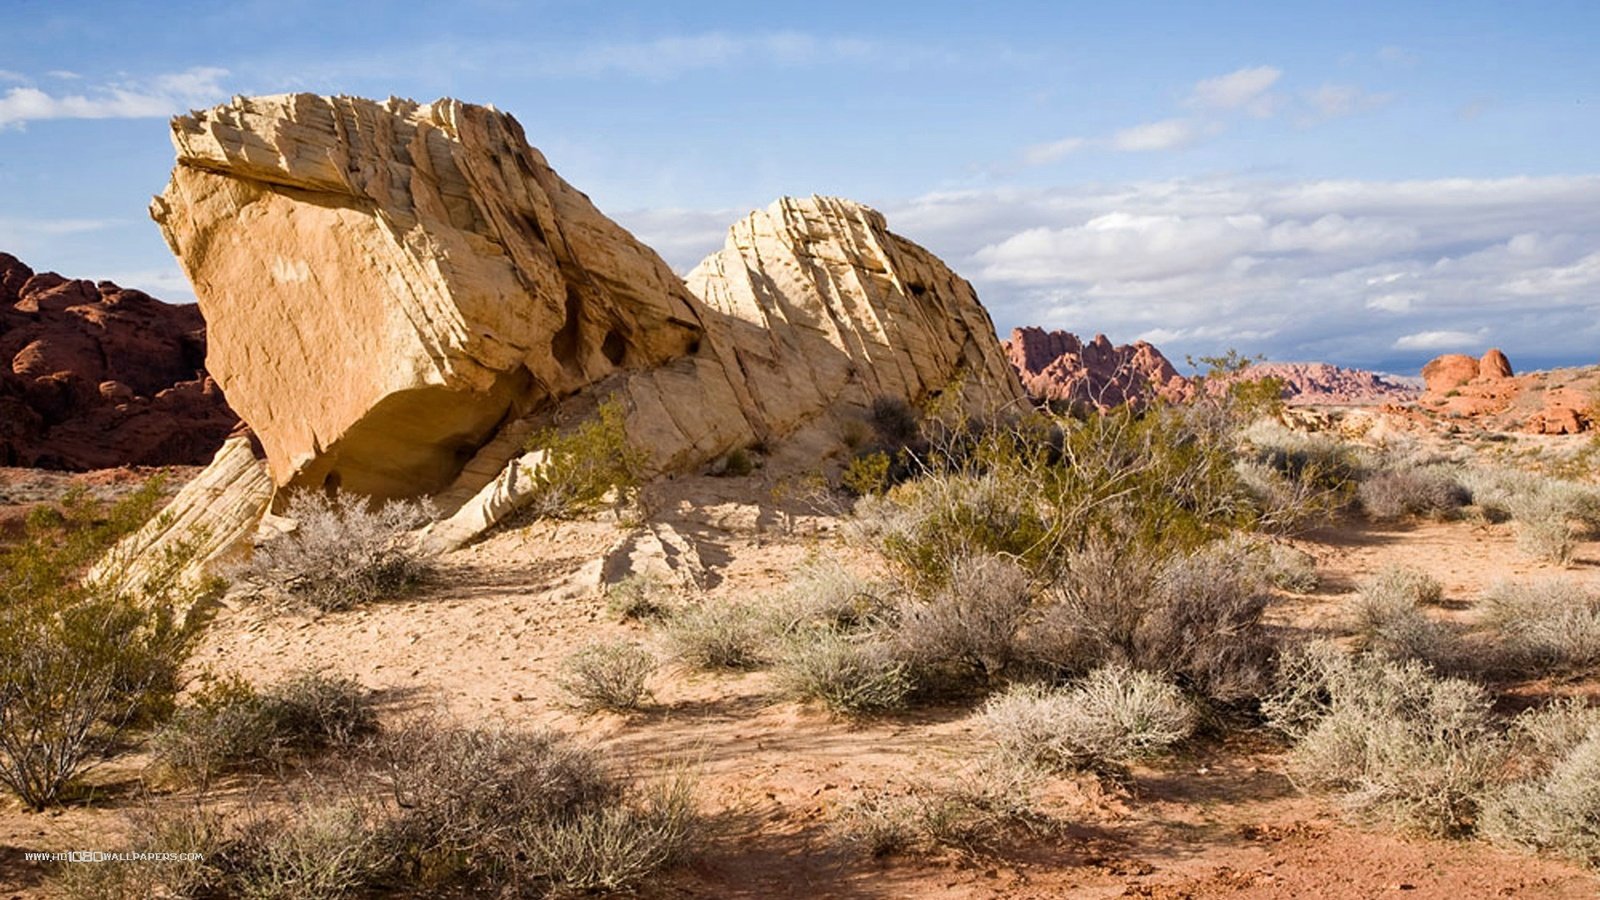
column 1056, row 365
column 397, row 294
column 386, row 284
column 1322, row 383
column 97, row 376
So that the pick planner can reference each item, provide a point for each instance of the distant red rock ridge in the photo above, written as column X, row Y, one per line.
column 96, row 376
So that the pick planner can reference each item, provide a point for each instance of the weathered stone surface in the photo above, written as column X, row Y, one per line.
column 1447, row 372
column 1325, row 384
column 1494, row 365
column 398, row 293
column 387, row 283
column 215, row 514
column 95, row 376
column 1056, row 365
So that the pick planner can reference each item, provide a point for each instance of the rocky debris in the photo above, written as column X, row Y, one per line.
column 101, row 376
column 1323, row 384
column 397, row 293
column 1486, row 392
column 1057, row 366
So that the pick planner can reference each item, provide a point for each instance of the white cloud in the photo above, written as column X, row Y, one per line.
column 1441, row 340
column 162, row 95
column 1167, row 134
column 1334, row 101
column 14, row 77
column 1040, row 154
column 683, row 237
column 1244, row 89
column 1338, row 270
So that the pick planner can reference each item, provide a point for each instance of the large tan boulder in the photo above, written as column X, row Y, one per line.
column 398, row 294
column 385, row 284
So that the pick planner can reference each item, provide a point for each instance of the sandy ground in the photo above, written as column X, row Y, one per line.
column 483, row 638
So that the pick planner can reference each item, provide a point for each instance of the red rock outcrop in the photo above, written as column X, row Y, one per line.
column 1448, row 372
column 96, row 376
column 1056, row 365
column 1487, row 392
column 1494, row 365
column 1306, row 384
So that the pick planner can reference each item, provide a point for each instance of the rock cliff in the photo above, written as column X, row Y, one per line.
column 1056, row 365
column 97, row 376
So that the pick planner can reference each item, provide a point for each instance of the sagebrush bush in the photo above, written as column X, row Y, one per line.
column 617, row 847
column 82, row 658
column 638, row 598
column 717, row 636
column 607, row 675
column 852, row 674
column 1406, row 489
column 1111, row 717
column 1403, row 583
column 1550, row 626
column 1397, row 741
column 229, row 725
column 1556, row 807
column 971, row 811
column 585, row 466
column 824, row 593
column 342, row 552
column 1325, row 469
column 1387, row 618
column 968, row 626
column 1549, row 514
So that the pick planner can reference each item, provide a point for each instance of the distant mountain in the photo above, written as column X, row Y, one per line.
column 96, row 376
column 1312, row 384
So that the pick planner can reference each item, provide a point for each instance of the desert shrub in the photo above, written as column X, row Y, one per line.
column 717, row 636
column 1549, row 514
column 184, row 827
column 1402, row 583
column 615, row 847
column 1558, row 808
column 229, row 725
column 851, row 674
column 1411, row 490
column 314, row 850
column 1111, row 717
column 866, row 474
column 1544, row 734
column 1394, row 739
column 82, row 658
column 737, row 463
column 584, row 465
column 342, row 552
column 1322, row 465
column 971, row 812
column 823, row 593
column 1550, row 626
column 607, row 675
column 638, row 598
column 1289, row 568
column 1195, row 618
column 968, row 626
column 1387, row 618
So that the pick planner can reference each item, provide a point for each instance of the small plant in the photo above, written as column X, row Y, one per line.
column 1550, row 626
column 866, row 474
column 342, row 552
column 619, row 846
column 851, row 674
column 607, row 676
column 1388, row 618
column 1397, row 741
column 1112, row 717
column 1411, row 490
column 971, row 812
column 1401, row 583
column 706, row 636
column 638, row 598
column 967, row 628
column 585, row 465
column 1556, row 807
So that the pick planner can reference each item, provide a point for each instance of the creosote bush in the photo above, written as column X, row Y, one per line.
column 607, row 676
column 83, row 658
column 1111, row 717
column 342, row 553
column 586, row 466
column 229, row 725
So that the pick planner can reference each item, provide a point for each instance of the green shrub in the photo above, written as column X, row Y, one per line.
column 229, row 725
column 83, row 658
column 607, row 676
column 1112, row 717
column 585, row 465
column 342, row 552
column 1395, row 740
column 866, row 474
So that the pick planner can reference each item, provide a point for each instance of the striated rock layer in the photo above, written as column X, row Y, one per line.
column 96, row 376
column 1056, row 365
column 398, row 293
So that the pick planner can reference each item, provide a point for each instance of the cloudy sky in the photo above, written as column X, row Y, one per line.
column 1364, row 183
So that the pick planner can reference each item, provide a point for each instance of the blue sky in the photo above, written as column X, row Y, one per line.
column 1366, row 183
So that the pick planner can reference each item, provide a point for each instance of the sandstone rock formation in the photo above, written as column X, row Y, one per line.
column 1448, row 372
column 1306, row 384
column 1487, row 393
column 398, row 293
column 1494, row 365
column 98, row 376
column 1057, row 366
